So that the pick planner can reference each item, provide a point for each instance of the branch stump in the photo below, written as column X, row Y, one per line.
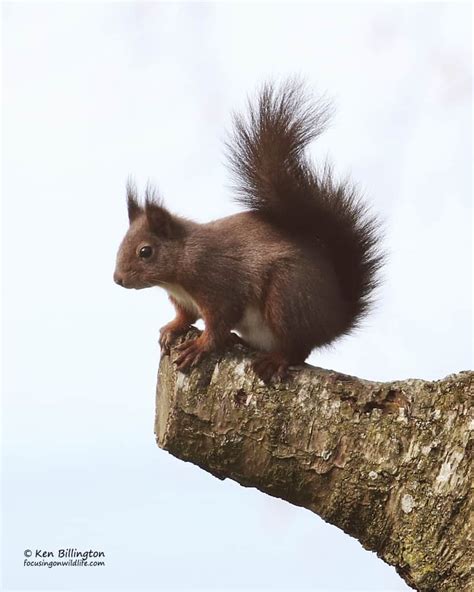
column 387, row 462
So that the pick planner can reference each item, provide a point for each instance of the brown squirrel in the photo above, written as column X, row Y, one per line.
column 293, row 272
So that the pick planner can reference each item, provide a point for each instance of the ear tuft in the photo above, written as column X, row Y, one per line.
column 133, row 207
column 160, row 221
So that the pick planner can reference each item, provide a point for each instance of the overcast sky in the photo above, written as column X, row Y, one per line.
column 95, row 92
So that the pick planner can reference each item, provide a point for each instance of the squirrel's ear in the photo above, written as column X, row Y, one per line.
column 133, row 206
column 160, row 221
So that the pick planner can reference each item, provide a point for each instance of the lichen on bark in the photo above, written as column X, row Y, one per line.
column 388, row 463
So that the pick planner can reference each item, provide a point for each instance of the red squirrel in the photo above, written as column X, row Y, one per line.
column 293, row 272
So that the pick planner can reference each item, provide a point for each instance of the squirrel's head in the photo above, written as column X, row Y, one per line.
column 149, row 251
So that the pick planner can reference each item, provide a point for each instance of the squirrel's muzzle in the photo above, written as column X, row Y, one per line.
column 118, row 279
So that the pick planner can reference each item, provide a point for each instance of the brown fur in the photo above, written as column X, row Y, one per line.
column 299, row 266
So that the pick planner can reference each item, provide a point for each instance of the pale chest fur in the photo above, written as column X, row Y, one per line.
column 182, row 298
column 251, row 327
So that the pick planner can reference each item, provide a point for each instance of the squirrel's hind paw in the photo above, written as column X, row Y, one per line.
column 271, row 366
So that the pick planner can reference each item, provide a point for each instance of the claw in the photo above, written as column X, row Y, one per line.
column 166, row 339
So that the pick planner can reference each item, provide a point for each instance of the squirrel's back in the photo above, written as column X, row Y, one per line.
column 275, row 178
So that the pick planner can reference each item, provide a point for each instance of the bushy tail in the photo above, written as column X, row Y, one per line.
column 274, row 176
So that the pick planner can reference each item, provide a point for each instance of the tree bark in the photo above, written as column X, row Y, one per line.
column 388, row 463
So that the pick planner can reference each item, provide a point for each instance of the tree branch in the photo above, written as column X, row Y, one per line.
column 388, row 463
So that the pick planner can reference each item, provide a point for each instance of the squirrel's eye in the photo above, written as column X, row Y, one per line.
column 145, row 252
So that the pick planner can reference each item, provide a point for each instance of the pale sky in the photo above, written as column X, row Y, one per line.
column 93, row 92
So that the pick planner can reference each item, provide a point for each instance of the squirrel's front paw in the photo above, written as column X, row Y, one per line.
column 191, row 352
column 168, row 334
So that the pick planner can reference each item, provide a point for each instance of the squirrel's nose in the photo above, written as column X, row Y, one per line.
column 118, row 279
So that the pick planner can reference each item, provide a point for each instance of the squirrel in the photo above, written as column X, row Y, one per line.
column 294, row 271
